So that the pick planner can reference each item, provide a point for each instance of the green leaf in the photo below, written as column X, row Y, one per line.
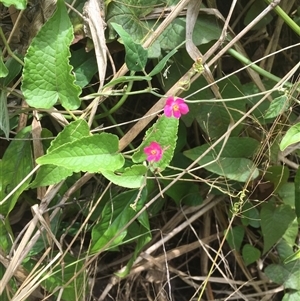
column 19, row 4
column 88, row 154
column 277, row 106
column 184, row 193
column 291, row 296
column 250, row 215
column 288, row 274
column 142, row 237
column 130, row 17
column 85, row 66
column 235, row 237
column 278, row 175
column 297, row 193
column 132, row 177
column 256, row 8
column 275, row 220
column 5, row 237
column 233, row 162
column 164, row 132
column 286, row 192
column 250, row 254
column 64, row 273
column 293, row 257
column 174, row 34
column 16, row 165
column 71, row 132
column 284, row 249
column 3, row 69
column 115, row 216
column 214, row 118
column 291, row 136
column 4, row 119
column 136, row 56
column 49, row 175
column 47, row 74
column 14, row 68
column 161, row 64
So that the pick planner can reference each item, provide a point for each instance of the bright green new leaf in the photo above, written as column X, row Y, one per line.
column 19, row 4
column 3, row 69
column 291, row 136
column 277, row 106
column 88, row 154
column 136, row 56
column 250, row 254
column 164, row 132
column 47, row 75
column 115, row 215
column 214, row 118
column 71, row 132
column 295, row 256
column 275, row 220
column 132, row 177
column 16, row 165
column 50, row 174
column 233, row 162
column 4, row 119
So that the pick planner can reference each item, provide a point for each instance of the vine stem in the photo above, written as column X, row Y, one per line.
column 10, row 52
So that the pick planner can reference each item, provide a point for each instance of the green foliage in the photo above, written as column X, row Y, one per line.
column 164, row 132
column 274, row 222
column 19, row 4
column 108, row 198
column 292, row 136
column 131, row 177
column 47, row 74
column 250, row 254
column 255, row 9
column 233, row 162
column 89, row 154
column 136, row 56
column 235, row 237
column 115, row 216
column 3, row 68
column 15, row 166
column 287, row 275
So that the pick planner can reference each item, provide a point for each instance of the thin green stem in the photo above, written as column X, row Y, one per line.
column 256, row 68
column 10, row 52
column 118, row 104
column 289, row 21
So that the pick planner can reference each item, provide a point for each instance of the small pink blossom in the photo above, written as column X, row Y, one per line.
column 176, row 107
column 153, row 151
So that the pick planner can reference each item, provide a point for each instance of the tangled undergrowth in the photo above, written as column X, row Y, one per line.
column 149, row 150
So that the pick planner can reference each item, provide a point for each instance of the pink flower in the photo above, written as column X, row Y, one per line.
column 153, row 151
column 176, row 107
